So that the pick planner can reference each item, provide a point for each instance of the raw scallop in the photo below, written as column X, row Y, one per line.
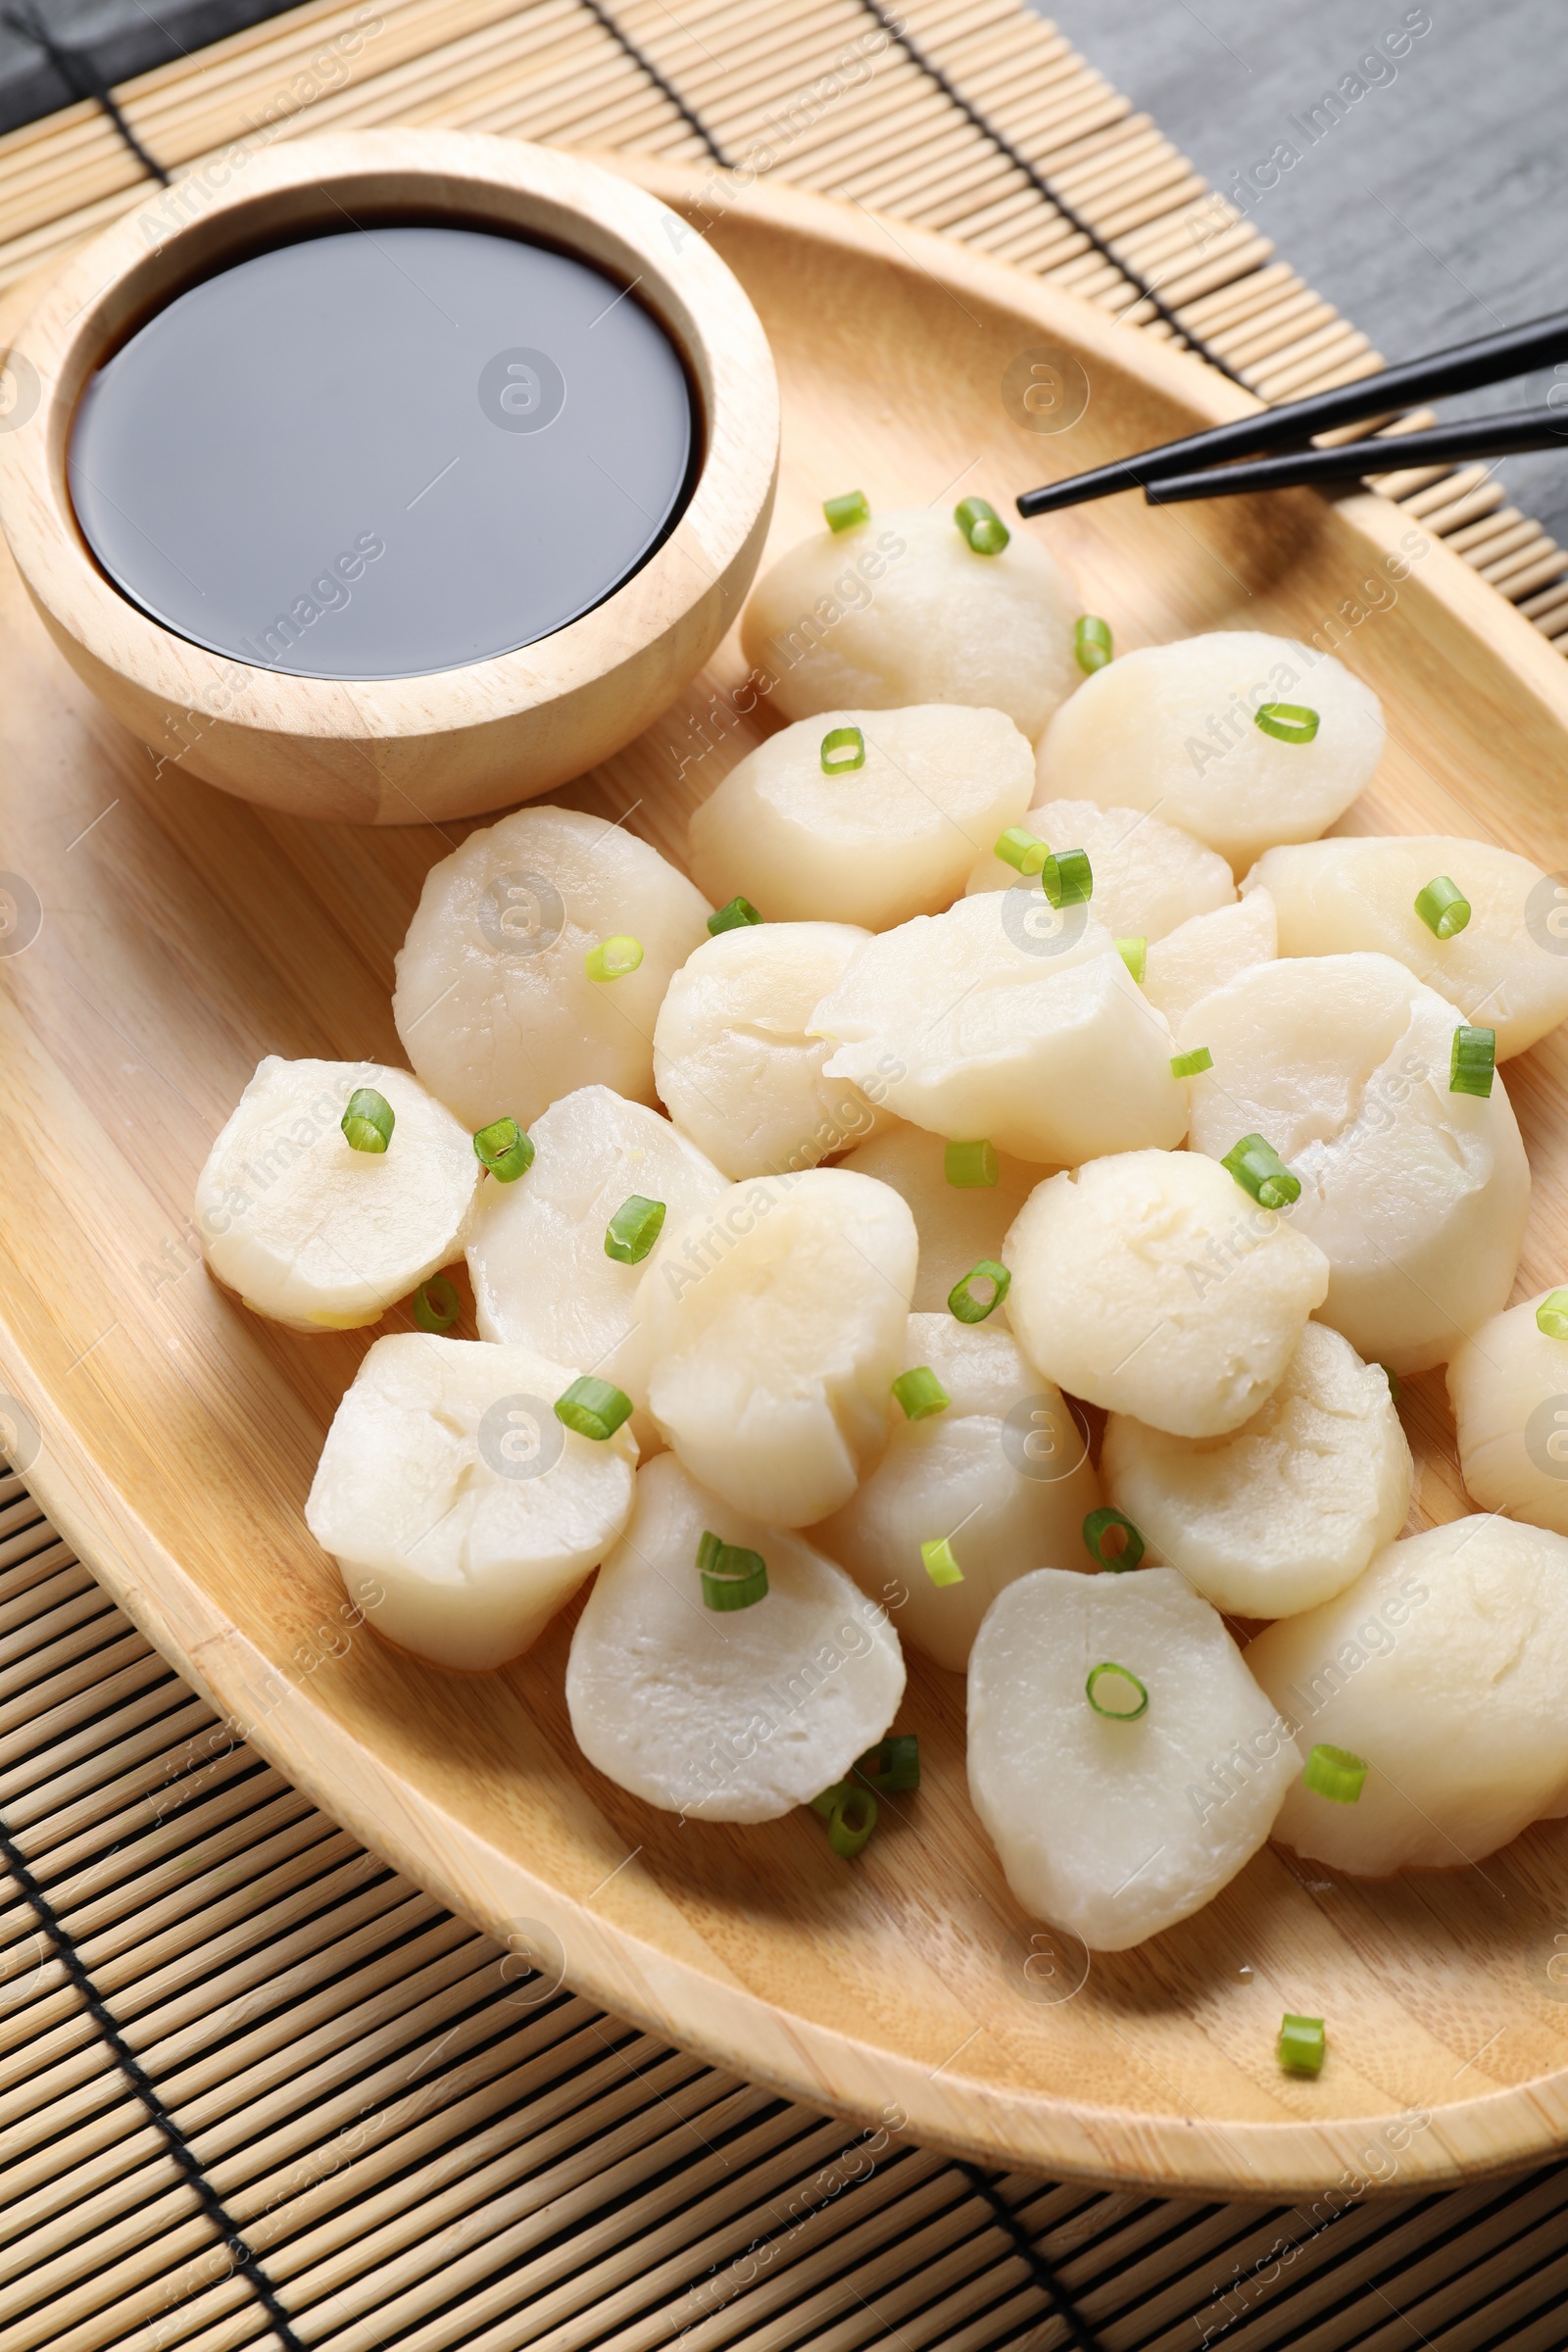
column 733, row 1716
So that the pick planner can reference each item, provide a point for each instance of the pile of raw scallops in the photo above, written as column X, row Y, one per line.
column 808, row 1205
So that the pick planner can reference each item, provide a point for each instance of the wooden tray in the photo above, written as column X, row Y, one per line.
column 183, row 935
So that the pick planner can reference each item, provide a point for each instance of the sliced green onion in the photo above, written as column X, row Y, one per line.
column 961, row 1299
column 1473, row 1062
column 369, row 1120
column 843, row 750
column 733, row 1578
column 1287, row 723
column 1302, row 2045
column 1024, row 851
column 1068, row 879
column 1393, row 1378
column 436, row 1305
column 1333, row 1772
column 920, row 1394
column 851, row 1816
column 1091, row 642
column 894, row 1764
column 981, row 525
column 1134, row 954
column 1118, row 1557
column 733, row 916
column 633, row 1230
column 1259, row 1170
column 971, row 1166
column 504, row 1150
column 845, row 511
column 614, row 958
column 1442, row 906
column 594, row 1408
column 1125, row 1697
column 1551, row 1316
column 939, row 1562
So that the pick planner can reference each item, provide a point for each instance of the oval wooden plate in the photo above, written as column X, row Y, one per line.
column 184, row 934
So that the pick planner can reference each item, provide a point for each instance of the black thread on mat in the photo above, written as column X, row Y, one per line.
column 1043, row 188
column 78, row 70
column 664, row 87
column 143, row 2084
column 1039, row 2269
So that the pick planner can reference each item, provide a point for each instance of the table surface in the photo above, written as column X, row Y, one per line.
column 1427, row 213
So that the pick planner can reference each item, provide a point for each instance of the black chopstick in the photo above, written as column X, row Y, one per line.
column 1490, row 359
column 1353, row 461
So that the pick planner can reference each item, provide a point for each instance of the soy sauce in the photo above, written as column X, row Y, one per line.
column 384, row 450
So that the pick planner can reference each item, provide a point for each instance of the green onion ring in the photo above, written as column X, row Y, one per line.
column 1091, row 642
column 1472, row 1062
column 838, row 740
column 1442, row 906
column 1334, row 1773
column 846, row 511
column 920, row 1394
column 1098, row 1678
column 1101, row 1523
column 369, row 1120
column 436, row 1304
column 981, row 525
column 594, row 1408
column 614, row 958
column 971, row 1167
column 962, row 1301
column 732, row 917
column 1287, row 723
column 633, row 1230
column 893, row 1765
column 1259, row 1170
column 504, row 1150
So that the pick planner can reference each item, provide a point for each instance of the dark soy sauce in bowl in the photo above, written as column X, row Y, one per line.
column 384, row 450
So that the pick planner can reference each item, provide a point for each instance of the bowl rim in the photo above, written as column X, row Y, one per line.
column 180, row 232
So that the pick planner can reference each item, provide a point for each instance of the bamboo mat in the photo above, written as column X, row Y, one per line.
column 256, row 2089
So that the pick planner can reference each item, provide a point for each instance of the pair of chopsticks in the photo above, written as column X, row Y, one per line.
column 1202, row 466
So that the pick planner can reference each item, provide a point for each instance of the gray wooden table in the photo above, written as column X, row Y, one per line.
column 1427, row 209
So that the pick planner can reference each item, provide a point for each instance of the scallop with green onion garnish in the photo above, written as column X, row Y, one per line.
column 1496, row 947
column 959, row 1223
column 1444, row 1670
column 536, row 963
column 986, row 1454
column 544, row 1273
column 322, row 1232
column 739, row 1712
column 770, row 1330
column 1508, row 1386
column 1191, row 729
column 1105, row 1713
column 1288, row 1509
column 461, row 1510
column 904, row 608
column 1010, row 1018
column 1207, row 950
column 1416, row 1193
column 1149, row 876
column 1154, row 1285
column 892, row 837
column 732, row 1060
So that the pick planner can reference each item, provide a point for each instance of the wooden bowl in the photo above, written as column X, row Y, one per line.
column 164, row 937
column 454, row 742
